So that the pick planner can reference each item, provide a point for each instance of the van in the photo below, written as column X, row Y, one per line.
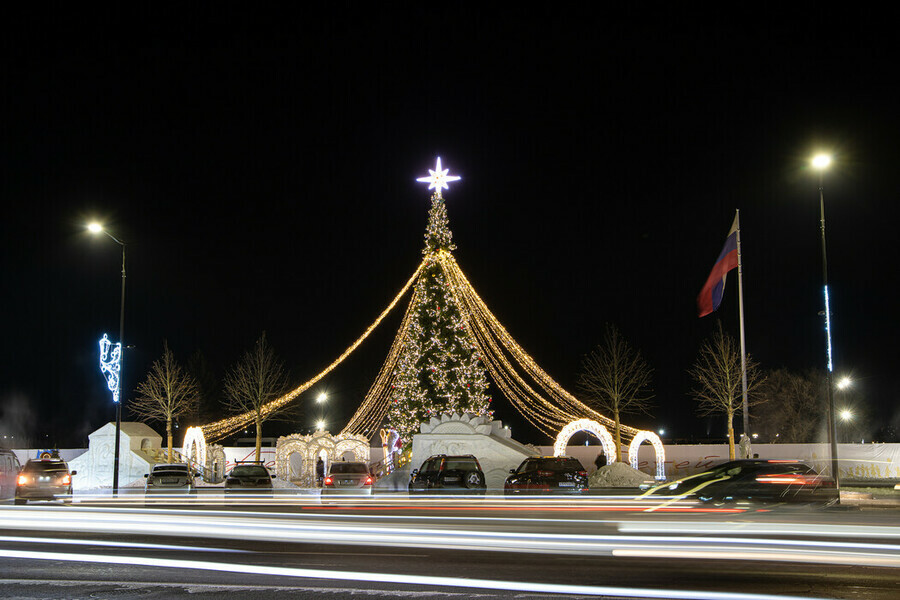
column 9, row 474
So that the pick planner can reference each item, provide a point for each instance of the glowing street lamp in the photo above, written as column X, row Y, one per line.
column 844, row 383
column 820, row 162
column 96, row 228
column 321, row 398
column 846, row 415
column 320, row 425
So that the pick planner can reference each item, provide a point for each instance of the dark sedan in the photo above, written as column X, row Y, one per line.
column 547, row 475
column 754, row 480
column 248, row 478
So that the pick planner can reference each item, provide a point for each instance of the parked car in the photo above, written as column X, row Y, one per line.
column 44, row 479
column 448, row 474
column 169, row 478
column 9, row 473
column 755, row 480
column 348, row 478
column 253, row 477
column 547, row 475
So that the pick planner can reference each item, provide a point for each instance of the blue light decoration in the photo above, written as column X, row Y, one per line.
column 828, row 332
column 110, row 364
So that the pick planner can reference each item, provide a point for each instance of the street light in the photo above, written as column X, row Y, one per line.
column 844, row 383
column 96, row 228
column 820, row 162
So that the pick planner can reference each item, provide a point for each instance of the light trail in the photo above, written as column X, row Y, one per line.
column 264, row 528
column 394, row 578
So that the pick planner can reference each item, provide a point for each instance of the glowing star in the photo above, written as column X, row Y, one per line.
column 111, row 364
column 438, row 178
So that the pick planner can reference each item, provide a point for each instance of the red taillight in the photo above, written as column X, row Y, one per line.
column 329, row 481
column 582, row 473
column 369, row 481
column 66, row 479
column 22, row 480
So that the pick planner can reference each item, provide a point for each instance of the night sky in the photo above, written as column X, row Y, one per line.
column 261, row 168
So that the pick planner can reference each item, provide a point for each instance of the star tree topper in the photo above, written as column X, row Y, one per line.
column 438, row 178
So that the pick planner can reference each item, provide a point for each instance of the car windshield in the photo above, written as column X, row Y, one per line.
column 170, row 472
column 249, row 471
column 568, row 464
column 350, row 467
column 460, row 464
column 45, row 467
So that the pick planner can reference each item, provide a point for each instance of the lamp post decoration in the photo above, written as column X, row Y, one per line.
column 111, row 364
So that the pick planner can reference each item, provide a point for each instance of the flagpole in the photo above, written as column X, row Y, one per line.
column 746, row 410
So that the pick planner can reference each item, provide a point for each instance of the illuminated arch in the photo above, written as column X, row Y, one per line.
column 194, row 446
column 648, row 436
column 609, row 445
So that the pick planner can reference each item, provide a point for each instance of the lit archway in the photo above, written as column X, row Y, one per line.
column 194, row 446
column 606, row 440
column 648, row 436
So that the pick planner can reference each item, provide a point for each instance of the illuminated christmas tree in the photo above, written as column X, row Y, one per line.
column 439, row 369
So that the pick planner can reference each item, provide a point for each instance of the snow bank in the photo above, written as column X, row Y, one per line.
column 618, row 474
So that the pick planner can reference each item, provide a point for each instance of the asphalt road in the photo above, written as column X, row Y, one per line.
column 484, row 548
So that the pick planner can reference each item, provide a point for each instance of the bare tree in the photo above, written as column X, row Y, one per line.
column 167, row 393
column 717, row 374
column 616, row 380
column 257, row 379
column 794, row 408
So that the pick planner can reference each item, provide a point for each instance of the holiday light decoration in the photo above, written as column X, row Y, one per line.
column 562, row 440
column 648, row 436
column 469, row 343
column 111, row 364
column 194, row 445
column 220, row 429
column 438, row 178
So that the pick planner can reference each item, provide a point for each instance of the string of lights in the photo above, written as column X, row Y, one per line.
column 220, row 429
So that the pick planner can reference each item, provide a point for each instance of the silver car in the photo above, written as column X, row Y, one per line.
column 174, row 478
column 348, row 479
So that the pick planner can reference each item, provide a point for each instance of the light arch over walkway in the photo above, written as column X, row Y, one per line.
column 591, row 426
column 648, row 436
column 194, row 445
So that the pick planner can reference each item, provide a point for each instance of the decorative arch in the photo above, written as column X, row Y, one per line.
column 311, row 447
column 591, row 426
column 648, row 436
column 194, row 445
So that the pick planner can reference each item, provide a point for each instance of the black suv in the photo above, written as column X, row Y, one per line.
column 547, row 475
column 448, row 474
column 44, row 479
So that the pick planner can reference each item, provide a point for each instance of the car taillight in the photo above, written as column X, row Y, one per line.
column 582, row 473
column 22, row 480
column 66, row 479
column 369, row 481
column 329, row 481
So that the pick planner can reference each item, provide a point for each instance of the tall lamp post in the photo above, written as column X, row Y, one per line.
column 97, row 228
column 821, row 162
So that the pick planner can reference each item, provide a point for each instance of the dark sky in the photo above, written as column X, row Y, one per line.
column 261, row 168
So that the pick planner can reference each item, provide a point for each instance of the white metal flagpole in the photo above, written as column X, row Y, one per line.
column 746, row 411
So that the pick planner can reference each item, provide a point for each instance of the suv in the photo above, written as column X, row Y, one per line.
column 448, row 474
column 44, row 479
column 547, row 475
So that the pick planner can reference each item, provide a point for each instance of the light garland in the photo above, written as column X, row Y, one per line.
column 648, row 436
column 562, row 440
column 111, row 364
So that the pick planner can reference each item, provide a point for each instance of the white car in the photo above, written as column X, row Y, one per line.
column 172, row 478
column 348, row 479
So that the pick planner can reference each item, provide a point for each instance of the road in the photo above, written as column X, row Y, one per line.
column 296, row 547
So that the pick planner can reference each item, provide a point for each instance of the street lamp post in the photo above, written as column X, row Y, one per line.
column 820, row 163
column 96, row 228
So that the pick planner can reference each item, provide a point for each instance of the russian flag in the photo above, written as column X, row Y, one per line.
column 711, row 295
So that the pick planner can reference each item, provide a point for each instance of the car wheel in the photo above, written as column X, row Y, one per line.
column 474, row 479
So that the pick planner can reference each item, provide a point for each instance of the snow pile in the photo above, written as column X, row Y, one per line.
column 616, row 475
